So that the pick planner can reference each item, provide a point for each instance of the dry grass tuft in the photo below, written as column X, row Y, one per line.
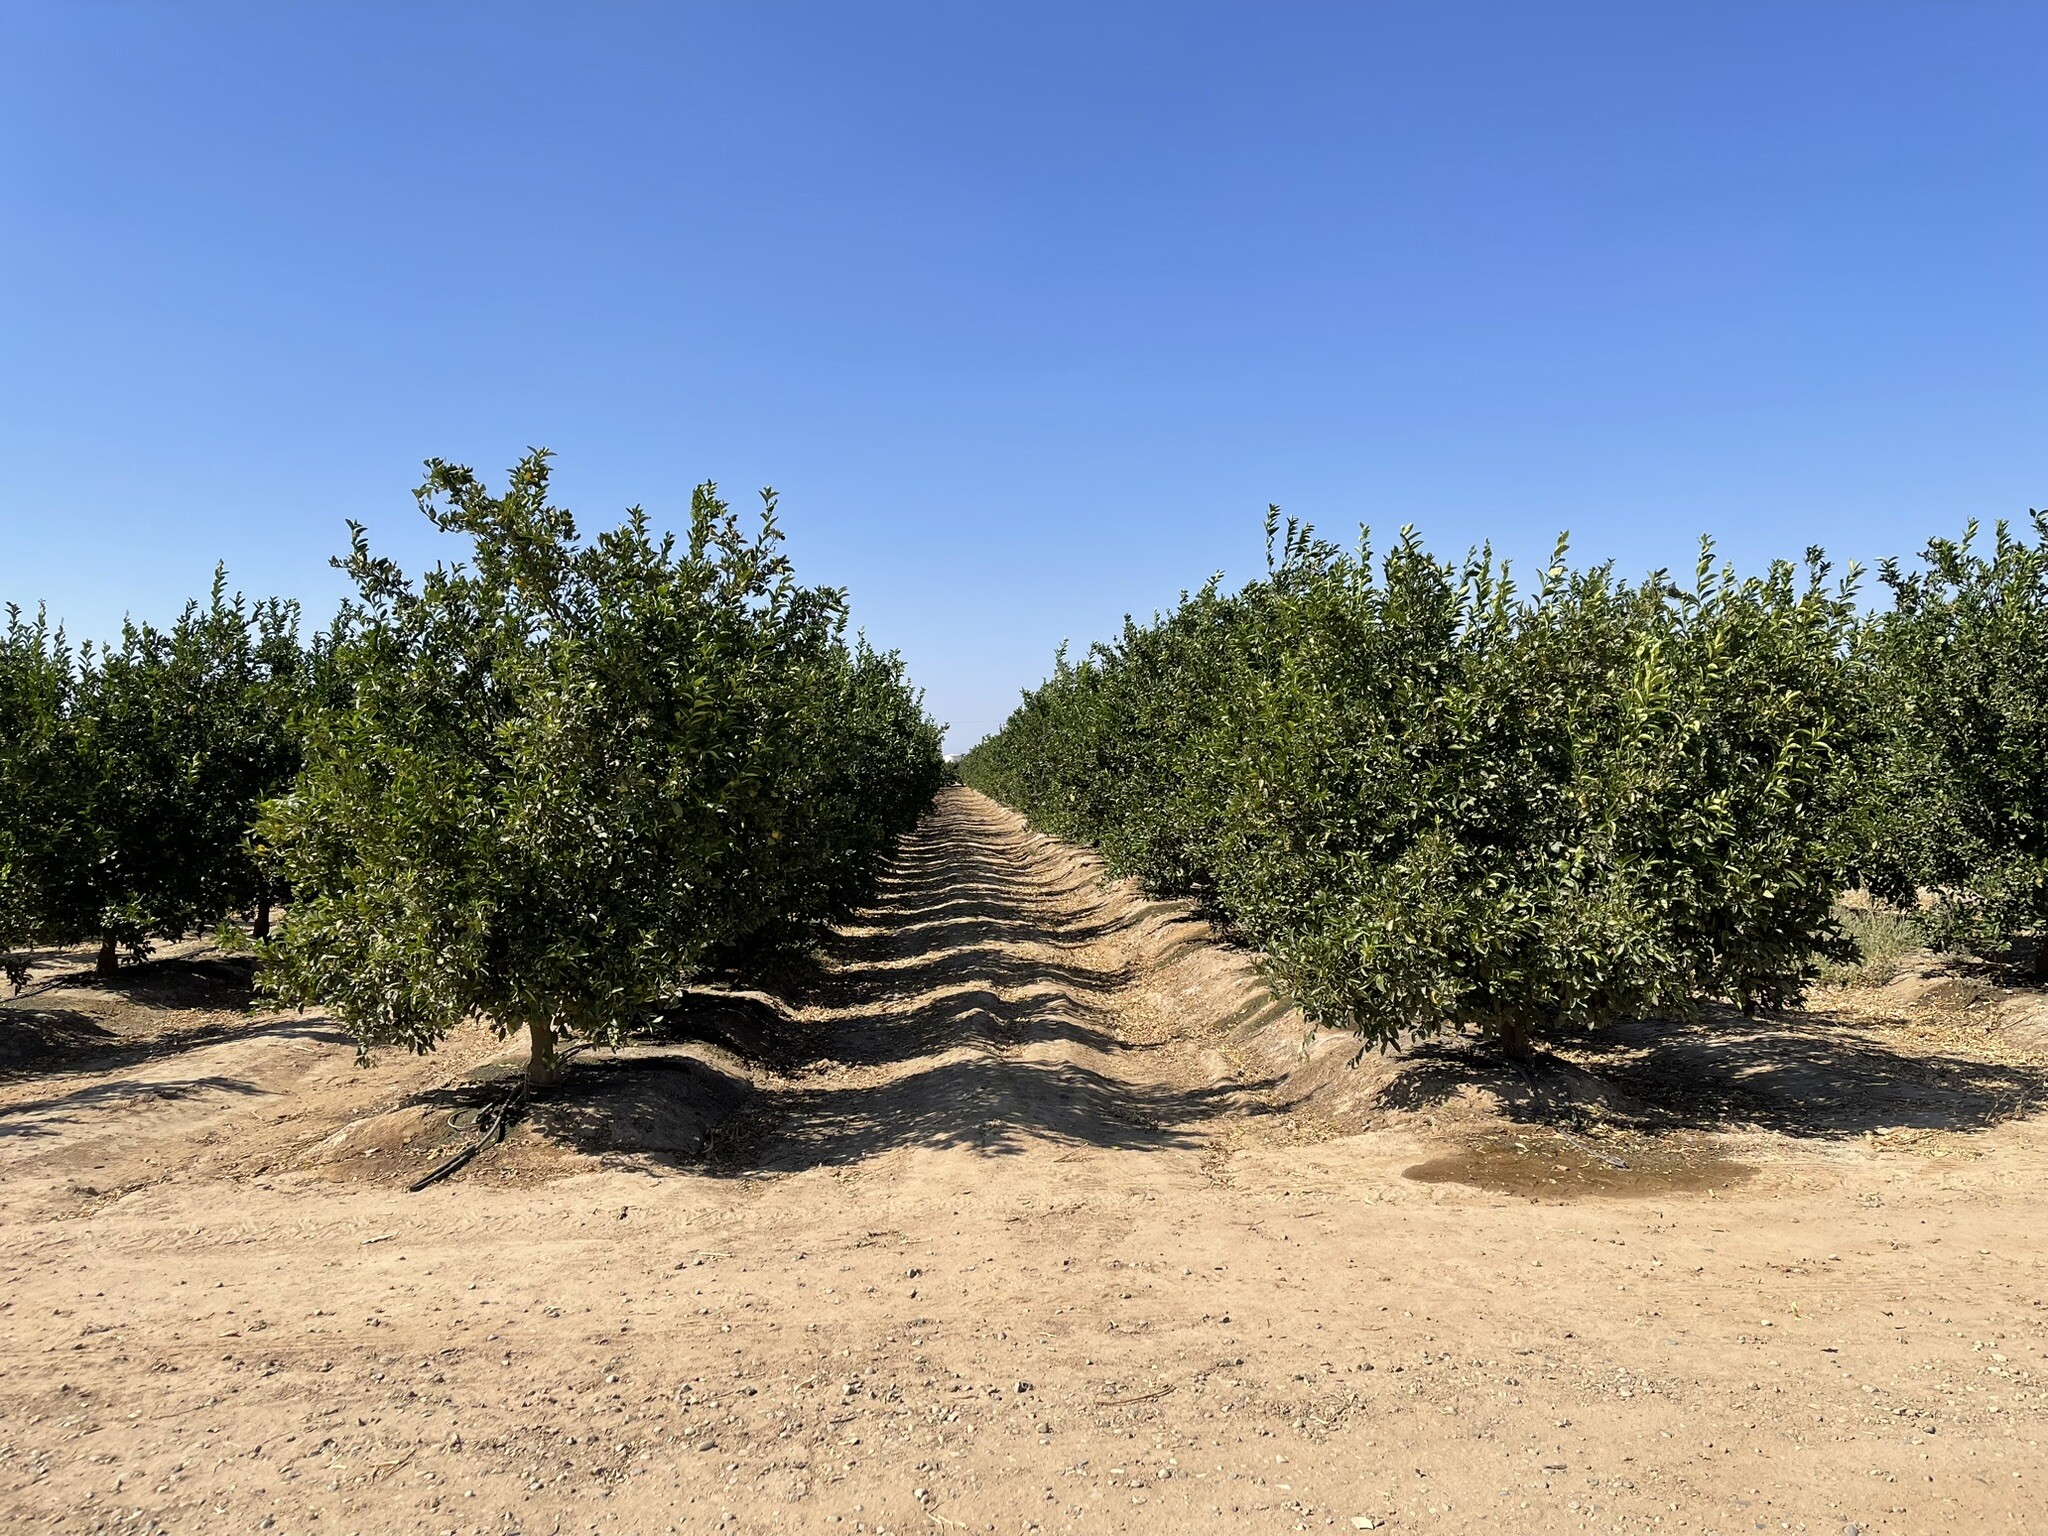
column 1882, row 937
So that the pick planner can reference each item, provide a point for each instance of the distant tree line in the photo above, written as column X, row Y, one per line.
column 544, row 786
column 1436, row 799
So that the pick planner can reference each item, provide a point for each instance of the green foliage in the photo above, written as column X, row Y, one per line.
column 191, row 729
column 1435, row 801
column 1958, row 679
column 38, row 769
column 567, row 776
column 130, row 774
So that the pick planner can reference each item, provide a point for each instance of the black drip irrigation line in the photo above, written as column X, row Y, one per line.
column 493, row 1122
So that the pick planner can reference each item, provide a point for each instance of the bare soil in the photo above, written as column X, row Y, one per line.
column 1030, row 1211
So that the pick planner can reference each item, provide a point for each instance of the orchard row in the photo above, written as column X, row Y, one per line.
column 1436, row 799
column 542, row 786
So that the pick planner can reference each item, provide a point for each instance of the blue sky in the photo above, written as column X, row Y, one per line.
column 1028, row 310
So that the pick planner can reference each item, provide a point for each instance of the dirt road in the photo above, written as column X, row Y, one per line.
column 1028, row 1230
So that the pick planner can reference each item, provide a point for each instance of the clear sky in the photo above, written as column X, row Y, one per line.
column 1027, row 309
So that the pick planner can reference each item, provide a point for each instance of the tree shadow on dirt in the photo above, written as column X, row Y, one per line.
column 1791, row 1075
column 663, row 1107
column 47, row 1041
column 49, row 1115
column 949, row 1018
column 957, row 925
column 970, row 1015
column 688, row 1092
column 746, row 1026
column 998, row 1107
column 38, row 1038
column 1803, row 1076
column 988, row 964
column 38, row 1034
column 221, row 983
column 910, row 897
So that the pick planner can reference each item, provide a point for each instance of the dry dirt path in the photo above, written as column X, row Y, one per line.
column 1001, row 1247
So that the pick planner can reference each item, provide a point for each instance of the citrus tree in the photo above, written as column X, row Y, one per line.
column 565, row 776
column 1957, row 674
column 38, row 678
column 1436, row 801
column 132, row 772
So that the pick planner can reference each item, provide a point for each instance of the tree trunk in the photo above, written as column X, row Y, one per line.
column 261, row 927
column 1514, row 1038
column 2041, row 958
column 543, row 1068
column 110, row 956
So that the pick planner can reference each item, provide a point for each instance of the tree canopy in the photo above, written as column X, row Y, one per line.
column 132, row 772
column 1957, row 675
column 1435, row 800
column 569, row 775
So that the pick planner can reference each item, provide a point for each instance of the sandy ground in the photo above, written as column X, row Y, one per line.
column 1029, row 1215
